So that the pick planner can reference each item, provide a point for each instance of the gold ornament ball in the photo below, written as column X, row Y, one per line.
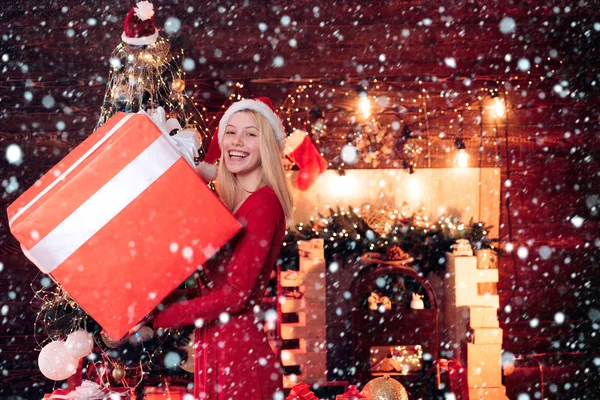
column 118, row 373
column 384, row 388
column 178, row 85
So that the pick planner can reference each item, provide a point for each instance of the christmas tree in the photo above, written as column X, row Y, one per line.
column 145, row 75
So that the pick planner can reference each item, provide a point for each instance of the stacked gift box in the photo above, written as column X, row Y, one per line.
column 472, row 325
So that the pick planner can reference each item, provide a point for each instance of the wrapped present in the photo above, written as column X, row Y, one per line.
column 301, row 391
column 165, row 393
column 121, row 221
column 352, row 394
column 89, row 390
column 57, row 392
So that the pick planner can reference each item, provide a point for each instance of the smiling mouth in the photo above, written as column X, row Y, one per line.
column 238, row 154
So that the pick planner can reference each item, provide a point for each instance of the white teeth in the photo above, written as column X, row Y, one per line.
column 237, row 154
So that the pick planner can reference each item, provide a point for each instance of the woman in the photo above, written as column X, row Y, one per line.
column 233, row 359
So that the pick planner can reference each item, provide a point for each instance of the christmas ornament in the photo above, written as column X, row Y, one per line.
column 386, row 303
column 55, row 362
column 145, row 333
column 111, row 343
column 79, row 344
column 373, row 301
column 118, row 373
column 178, row 85
column 384, row 388
column 138, row 28
column 417, row 302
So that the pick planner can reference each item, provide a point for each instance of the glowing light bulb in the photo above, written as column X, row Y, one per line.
column 364, row 105
column 461, row 158
column 499, row 109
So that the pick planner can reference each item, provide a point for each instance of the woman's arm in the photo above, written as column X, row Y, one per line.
column 246, row 264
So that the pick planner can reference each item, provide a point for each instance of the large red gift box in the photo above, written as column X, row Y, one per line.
column 121, row 221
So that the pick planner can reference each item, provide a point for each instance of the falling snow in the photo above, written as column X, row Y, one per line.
column 429, row 74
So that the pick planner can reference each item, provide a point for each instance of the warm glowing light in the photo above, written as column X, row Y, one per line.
column 499, row 109
column 415, row 190
column 344, row 186
column 364, row 105
column 461, row 159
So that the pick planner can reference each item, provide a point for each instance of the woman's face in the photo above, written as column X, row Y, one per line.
column 241, row 144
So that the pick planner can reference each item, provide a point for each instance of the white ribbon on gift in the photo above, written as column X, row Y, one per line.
column 186, row 140
column 88, row 390
column 107, row 202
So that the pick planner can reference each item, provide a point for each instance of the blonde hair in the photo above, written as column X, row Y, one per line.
column 271, row 167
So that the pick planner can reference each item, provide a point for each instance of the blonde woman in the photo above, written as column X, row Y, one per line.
column 233, row 359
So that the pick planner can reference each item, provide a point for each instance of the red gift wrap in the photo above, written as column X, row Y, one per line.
column 121, row 221
column 165, row 393
column 352, row 394
column 301, row 391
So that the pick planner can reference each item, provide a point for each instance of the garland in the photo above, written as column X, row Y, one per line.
column 348, row 235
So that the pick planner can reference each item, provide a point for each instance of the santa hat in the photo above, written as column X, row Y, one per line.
column 139, row 29
column 301, row 150
column 261, row 105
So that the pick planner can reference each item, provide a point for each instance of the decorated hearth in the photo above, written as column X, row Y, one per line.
column 392, row 338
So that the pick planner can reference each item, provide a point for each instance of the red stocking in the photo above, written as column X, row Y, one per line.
column 301, row 150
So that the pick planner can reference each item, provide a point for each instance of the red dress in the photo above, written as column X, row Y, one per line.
column 233, row 359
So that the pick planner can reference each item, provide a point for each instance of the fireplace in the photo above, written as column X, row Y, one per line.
column 391, row 338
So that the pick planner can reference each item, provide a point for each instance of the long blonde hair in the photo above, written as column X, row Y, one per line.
column 272, row 172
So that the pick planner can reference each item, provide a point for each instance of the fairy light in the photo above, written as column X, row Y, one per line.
column 364, row 105
column 499, row 109
column 404, row 359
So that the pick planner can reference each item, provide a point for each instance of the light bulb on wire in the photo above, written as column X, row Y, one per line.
column 364, row 105
column 461, row 157
column 499, row 109
column 498, row 104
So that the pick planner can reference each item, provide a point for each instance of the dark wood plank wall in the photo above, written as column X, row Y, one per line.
column 548, row 147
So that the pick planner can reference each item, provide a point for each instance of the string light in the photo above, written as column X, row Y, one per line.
column 404, row 359
column 461, row 157
column 499, row 108
column 498, row 104
column 364, row 105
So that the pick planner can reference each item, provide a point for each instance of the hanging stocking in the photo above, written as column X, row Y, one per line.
column 301, row 150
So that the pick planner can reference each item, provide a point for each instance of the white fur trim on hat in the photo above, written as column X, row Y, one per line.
column 142, row 41
column 259, row 107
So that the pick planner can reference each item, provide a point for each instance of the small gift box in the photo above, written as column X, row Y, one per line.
column 352, row 394
column 121, row 221
column 301, row 391
column 89, row 390
column 165, row 393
